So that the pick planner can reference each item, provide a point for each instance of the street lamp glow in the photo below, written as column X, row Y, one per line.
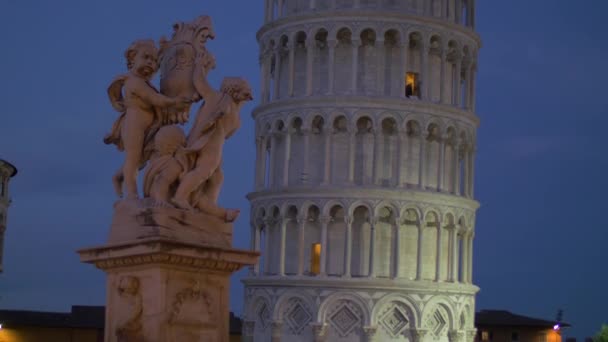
column 556, row 327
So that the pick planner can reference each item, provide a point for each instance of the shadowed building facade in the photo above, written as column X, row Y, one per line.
column 7, row 171
column 364, row 206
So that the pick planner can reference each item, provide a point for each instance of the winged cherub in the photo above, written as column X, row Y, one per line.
column 143, row 111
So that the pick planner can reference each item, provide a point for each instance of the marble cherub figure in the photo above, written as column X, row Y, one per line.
column 143, row 111
column 216, row 120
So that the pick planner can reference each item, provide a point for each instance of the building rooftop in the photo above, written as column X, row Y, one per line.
column 507, row 319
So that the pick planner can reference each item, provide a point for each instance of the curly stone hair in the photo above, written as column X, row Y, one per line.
column 234, row 85
column 135, row 47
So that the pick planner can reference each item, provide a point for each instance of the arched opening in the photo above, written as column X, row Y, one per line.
column 336, row 236
column 413, row 77
column 445, row 265
column 408, row 255
column 411, row 162
column 317, row 148
column 296, row 154
column 429, row 246
column 361, row 242
column 291, row 241
column 392, row 64
column 364, row 151
column 461, row 253
column 453, row 71
column 321, row 60
column 283, row 68
column 299, row 86
column 340, row 150
column 312, row 239
column 450, row 156
column 343, row 62
column 435, row 69
column 383, row 249
column 367, row 74
column 433, row 147
column 388, row 160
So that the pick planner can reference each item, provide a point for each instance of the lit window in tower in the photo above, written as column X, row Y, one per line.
column 315, row 258
column 411, row 84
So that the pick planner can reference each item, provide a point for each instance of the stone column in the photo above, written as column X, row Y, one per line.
column 426, row 79
column 348, row 220
column 313, row 4
column 276, row 328
column 419, row 263
column 397, row 248
column 301, row 238
column 440, row 185
column 473, row 88
column 257, row 245
column 273, row 157
column 467, row 86
column 378, row 135
column 305, row 176
column 327, row 160
column 458, row 12
column 355, row 65
column 472, row 158
column 331, row 46
column 266, row 65
column 397, row 161
column 470, row 258
column 268, row 224
column 372, row 248
column 439, row 251
column 318, row 331
column 422, row 161
column 352, row 144
column 370, row 333
column 259, row 163
column 324, row 223
column 287, row 156
column 418, row 334
column 280, row 8
column 471, row 333
column 454, row 254
column 277, row 73
column 467, row 172
column 456, row 336
column 458, row 81
column 404, row 53
column 248, row 330
column 283, row 224
column 357, row 3
column 267, row 10
column 457, row 169
column 380, row 71
column 292, row 72
column 443, row 77
column 310, row 50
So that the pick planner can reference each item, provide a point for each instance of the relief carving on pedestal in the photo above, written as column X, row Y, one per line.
column 193, row 315
column 129, row 324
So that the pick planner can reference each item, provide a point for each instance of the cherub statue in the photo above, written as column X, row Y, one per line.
column 216, row 120
column 169, row 163
column 141, row 107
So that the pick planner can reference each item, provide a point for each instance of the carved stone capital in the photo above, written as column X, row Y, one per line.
column 418, row 334
column 302, row 219
column 456, row 335
column 325, row 219
column 370, row 332
column 318, row 331
column 248, row 328
column 349, row 219
column 471, row 333
column 275, row 328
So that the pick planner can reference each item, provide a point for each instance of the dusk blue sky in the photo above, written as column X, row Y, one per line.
column 541, row 231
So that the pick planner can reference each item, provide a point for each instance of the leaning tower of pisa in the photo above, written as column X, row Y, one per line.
column 363, row 206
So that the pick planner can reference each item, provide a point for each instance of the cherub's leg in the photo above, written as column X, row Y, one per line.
column 207, row 205
column 214, row 185
column 133, row 141
column 191, row 181
column 162, row 183
column 117, row 180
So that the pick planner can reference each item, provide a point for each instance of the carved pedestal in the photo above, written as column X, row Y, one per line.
column 164, row 290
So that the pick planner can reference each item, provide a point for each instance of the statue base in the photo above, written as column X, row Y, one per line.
column 164, row 290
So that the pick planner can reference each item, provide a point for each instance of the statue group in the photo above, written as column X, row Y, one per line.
column 181, row 171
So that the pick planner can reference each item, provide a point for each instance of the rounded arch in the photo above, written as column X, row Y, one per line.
column 363, row 114
column 330, row 204
column 396, row 298
column 412, row 213
column 412, row 126
column 367, row 35
column 342, row 33
column 360, row 203
column 386, row 204
column 393, row 32
column 288, row 209
column 305, row 206
column 432, row 215
column 287, row 296
column 278, row 125
column 314, row 31
column 430, row 308
column 310, row 118
column 336, row 297
column 449, row 218
column 256, row 305
column 390, row 115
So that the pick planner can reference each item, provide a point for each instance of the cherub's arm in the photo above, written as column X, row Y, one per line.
column 141, row 89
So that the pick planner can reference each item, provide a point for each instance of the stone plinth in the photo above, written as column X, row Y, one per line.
column 164, row 290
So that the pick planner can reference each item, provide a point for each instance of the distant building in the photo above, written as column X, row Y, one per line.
column 81, row 324
column 7, row 170
column 504, row 326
